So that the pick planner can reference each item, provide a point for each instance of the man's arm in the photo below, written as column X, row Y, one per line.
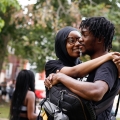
column 91, row 91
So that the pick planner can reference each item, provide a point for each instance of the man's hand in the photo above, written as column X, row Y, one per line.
column 48, row 81
column 53, row 79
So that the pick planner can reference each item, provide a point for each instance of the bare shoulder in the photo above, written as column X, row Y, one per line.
column 30, row 94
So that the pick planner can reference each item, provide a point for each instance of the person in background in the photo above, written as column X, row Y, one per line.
column 0, row 92
column 67, row 48
column 12, row 88
column 23, row 106
column 4, row 89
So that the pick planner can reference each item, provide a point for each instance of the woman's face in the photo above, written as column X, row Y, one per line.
column 73, row 44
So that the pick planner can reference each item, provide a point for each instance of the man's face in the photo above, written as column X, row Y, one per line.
column 88, row 42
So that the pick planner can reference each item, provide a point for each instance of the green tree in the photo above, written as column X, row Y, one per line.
column 32, row 34
column 35, row 41
column 7, row 26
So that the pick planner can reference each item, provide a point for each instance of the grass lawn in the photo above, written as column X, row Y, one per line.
column 4, row 109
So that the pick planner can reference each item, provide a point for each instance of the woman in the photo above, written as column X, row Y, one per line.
column 68, row 53
column 23, row 100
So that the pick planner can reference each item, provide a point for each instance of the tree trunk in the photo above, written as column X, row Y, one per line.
column 3, row 48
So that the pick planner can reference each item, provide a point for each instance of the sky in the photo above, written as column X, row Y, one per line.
column 27, row 2
column 24, row 3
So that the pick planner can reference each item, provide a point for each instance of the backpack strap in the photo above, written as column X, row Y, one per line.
column 104, row 105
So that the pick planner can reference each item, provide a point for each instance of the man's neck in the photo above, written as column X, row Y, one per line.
column 98, row 54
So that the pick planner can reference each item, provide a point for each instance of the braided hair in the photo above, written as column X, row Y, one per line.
column 101, row 28
column 25, row 81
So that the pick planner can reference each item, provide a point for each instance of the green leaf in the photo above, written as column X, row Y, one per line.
column 2, row 23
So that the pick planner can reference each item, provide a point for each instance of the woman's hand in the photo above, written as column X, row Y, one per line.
column 115, row 56
column 116, row 60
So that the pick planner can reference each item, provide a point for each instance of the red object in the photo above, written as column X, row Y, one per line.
column 40, row 93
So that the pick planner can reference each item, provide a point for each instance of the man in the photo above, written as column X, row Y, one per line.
column 97, row 34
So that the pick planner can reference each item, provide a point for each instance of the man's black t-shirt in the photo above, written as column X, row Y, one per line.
column 108, row 73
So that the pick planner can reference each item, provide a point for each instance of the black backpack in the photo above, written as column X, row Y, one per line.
column 74, row 106
column 70, row 104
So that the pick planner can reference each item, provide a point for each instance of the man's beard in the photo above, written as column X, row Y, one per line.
column 87, row 53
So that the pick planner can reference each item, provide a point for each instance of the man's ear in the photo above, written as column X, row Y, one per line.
column 100, row 40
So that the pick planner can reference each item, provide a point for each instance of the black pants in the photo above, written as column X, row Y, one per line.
column 4, row 92
column 23, row 118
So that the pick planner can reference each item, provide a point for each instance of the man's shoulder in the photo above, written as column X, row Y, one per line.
column 107, row 72
column 109, row 63
column 107, row 66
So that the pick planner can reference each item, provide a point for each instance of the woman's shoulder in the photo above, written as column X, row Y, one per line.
column 53, row 65
column 52, row 62
column 30, row 94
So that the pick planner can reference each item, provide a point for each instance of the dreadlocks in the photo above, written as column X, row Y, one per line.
column 101, row 28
